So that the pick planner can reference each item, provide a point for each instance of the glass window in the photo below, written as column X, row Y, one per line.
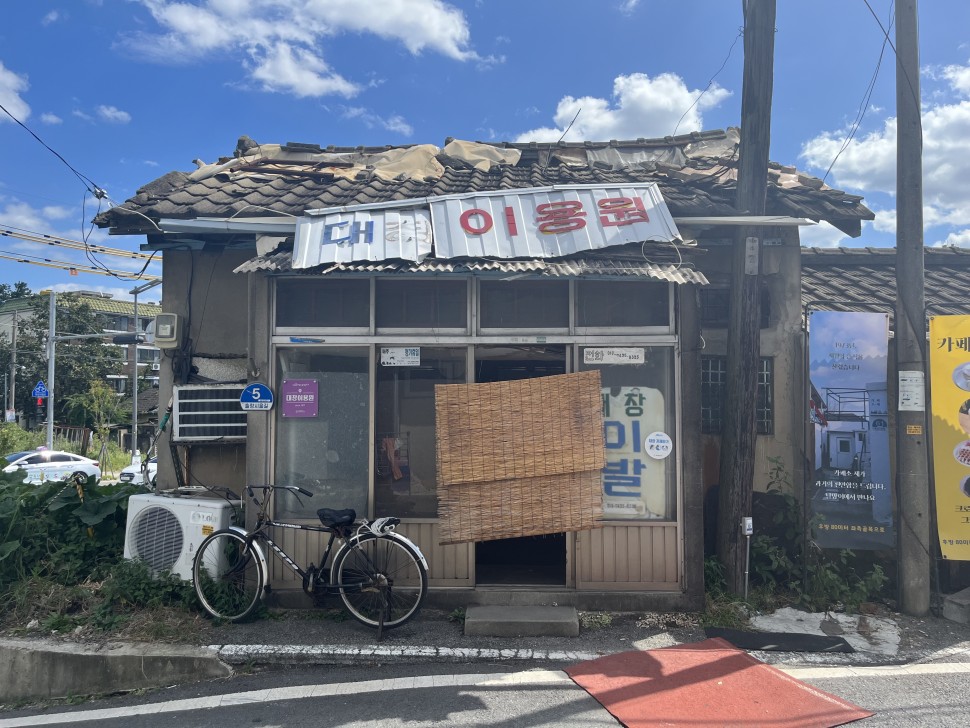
column 324, row 450
column 622, row 303
column 411, row 304
column 540, row 305
column 714, row 389
column 406, row 478
column 638, row 401
column 316, row 303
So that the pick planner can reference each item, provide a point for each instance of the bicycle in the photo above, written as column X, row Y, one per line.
column 380, row 575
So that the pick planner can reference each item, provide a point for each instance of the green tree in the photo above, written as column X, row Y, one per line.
column 77, row 362
column 17, row 290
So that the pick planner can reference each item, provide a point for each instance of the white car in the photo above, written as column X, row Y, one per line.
column 40, row 465
column 133, row 473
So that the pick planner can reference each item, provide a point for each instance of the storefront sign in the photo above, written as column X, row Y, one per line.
column 950, row 397
column 400, row 356
column 851, row 498
column 627, row 355
column 299, row 398
column 549, row 221
column 360, row 234
column 633, row 480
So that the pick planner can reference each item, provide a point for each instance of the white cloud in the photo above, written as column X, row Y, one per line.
column 299, row 72
column 113, row 114
column 11, row 86
column 960, row 238
column 822, row 235
column 48, row 118
column 51, row 17
column 868, row 164
column 395, row 122
column 280, row 42
column 641, row 106
column 628, row 6
column 81, row 115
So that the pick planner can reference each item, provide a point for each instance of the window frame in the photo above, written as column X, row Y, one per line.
column 714, row 425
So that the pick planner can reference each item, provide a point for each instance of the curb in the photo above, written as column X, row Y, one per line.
column 348, row 654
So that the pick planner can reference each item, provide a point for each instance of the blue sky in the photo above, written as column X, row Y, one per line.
column 127, row 90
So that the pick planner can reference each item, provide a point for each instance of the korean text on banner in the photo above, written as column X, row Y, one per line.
column 851, row 496
column 950, row 394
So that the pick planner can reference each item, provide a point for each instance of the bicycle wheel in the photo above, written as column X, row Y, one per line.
column 380, row 577
column 228, row 576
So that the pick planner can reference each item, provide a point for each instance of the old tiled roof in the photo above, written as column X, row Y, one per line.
column 864, row 279
column 696, row 174
column 99, row 303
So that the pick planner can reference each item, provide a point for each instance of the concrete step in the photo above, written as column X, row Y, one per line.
column 956, row 607
column 504, row 621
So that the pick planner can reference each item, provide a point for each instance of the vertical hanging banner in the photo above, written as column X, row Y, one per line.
column 851, row 493
column 950, row 393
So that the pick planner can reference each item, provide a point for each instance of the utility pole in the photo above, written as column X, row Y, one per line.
column 13, row 364
column 134, row 370
column 912, row 472
column 52, row 297
column 744, row 332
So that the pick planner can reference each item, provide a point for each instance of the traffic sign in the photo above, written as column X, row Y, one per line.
column 256, row 396
column 40, row 390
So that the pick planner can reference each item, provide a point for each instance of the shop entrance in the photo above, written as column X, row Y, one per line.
column 529, row 560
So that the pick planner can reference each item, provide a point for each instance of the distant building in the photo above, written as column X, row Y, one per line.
column 116, row 317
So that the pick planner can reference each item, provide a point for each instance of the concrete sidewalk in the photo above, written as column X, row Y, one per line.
column 52, row 668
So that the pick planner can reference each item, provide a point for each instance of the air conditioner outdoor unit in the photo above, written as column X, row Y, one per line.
column 208, row 413
column 165, row 531
column 156, row 366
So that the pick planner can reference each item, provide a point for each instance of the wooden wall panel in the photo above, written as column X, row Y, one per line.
column 639, row 557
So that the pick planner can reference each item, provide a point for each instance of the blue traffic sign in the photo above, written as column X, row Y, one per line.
column 40, row 390
column 256, row 397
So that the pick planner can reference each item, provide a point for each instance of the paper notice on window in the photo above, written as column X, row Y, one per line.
column 400, row 356
column 614, row 355
column 912, row 392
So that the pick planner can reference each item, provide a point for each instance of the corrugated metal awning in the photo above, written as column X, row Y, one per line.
column 581, row 266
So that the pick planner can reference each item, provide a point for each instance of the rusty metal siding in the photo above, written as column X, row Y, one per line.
column 638, row 557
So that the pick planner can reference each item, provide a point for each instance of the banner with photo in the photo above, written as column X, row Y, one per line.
column 950, row 393
column 851, row 493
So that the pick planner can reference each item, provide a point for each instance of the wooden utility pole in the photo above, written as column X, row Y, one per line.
column 744, row 331
column 912, row 473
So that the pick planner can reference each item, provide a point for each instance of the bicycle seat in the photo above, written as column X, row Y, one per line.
column 329, row 517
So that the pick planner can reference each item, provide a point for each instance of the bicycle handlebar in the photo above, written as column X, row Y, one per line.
column 264, row 488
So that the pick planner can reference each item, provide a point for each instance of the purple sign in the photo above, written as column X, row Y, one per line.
column 299, row 398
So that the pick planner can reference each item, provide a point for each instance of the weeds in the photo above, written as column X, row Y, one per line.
column 595, row 620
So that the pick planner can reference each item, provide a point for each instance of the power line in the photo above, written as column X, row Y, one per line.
column 55, row 240
column 711, row 82
column 73, row 267
column 866, row 97
column 88, row 183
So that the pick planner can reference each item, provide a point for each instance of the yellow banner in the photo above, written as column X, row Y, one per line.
column 950, row 392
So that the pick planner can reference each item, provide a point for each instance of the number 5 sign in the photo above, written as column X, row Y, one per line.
column 256, row 396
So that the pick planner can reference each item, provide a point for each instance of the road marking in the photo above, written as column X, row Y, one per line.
column 819, row 673
column 516, row 679
column 299, row 692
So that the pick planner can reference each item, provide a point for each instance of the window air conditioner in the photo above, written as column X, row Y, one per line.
column 165, row 532
column 208, row 413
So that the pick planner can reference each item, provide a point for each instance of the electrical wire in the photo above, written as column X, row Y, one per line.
column 31, row 236
column 713, row 78
column 866, row 98
column 88, row 183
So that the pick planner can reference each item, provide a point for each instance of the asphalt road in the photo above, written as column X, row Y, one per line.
column 499, row 695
